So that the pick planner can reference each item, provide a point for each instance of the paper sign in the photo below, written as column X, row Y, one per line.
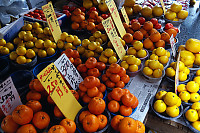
column 177, row 73
column 124, row 14
column 172, row 43
column 9, row 97
column 55, row 86
column 52, row 21
column 115, row 15
column 68, row 70
column 113, row 36
column 163, row 6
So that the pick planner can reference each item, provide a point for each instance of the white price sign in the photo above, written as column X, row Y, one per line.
column 69, row 71
column 172, row 43
column 9, row 97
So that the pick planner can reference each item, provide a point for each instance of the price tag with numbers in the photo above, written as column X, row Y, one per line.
column 177, row 73
column 172, row 43
column 124, row 14
column 113, row 36
column 68, row 70
column 9, row 97
column 52, row 21
column 115, row 15
column 55, row 86
column 163, row 6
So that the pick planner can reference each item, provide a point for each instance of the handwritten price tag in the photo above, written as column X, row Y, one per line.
column 123, row 11
column 115, row 15
column 68, row 70
column 55, row 86
column 113, row 36
column 163, row 6
column 172, row 43
column 52, row 21
column 177, row 73
column 9, row 97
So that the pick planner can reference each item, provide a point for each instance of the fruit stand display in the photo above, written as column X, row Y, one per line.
column 157, row 78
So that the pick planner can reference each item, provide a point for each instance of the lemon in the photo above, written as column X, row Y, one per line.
column 172, row 111
column 170, row 72
column 198, row 72
column 160, row 51
column 196, row 106
column 184, row 95
column 197, row 79
column 181, row 87
column 13, row 55
column 141, row 53
column 182, row 76
column 179, row 102
column 192, row 86
column 196, row 125
column 194, row 97
column 124, row 64
column 21, row 59
column 133, row 68
column 160, row 95
column 138, row 45
column 153, row 57
column 171, row 99
column 186, row 70
column 163, row 59
column 159, row 106
column 191, row 115
column 154, row 64
column 182, row 14
column 147, row 71
column 157, row 73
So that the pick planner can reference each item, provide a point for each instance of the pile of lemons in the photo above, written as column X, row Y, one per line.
column 189, row 91
column 175, row 12
column 193, row 114
column 131, row 63
column 161, row 55
column 167, row 102
column 92, row 47
column 108, row 56
column 183, row 71
column 153, row 68
column 137, row 50
column 5, row 47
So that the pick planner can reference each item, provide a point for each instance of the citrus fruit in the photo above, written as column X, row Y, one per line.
column 159, row 106
column 9, row 45
column 157, row 73
column 13, row 55
column 160, row 95
column 21, row 59
column 163, row 59
column 170, row 72
column 153, row 57
column 137, row 61
column 191, row 115
column 92, row 46
column 60, row 44
column 147, row 71
column 64, row 35
column 154, row 64
column 47, row 43
column 39, row 43
column 172, row 111
column 29, row 44
column 171, row 99
column 181, row 87
column 182, row 14
column 197, row 79
column 186, row 70
column 28, row 60
column 179, row 102
column 124, row 64
column 4, row 51
column 21, row 50
column 108, row 52
column 141, row 53
column 182, row 76
column 131, row 59
column 196, row 125
column 131, row 51
column 160, row 51
column 184, row 95
column 194, row 97
column 196, row 106
column 42, row 53
column 30, row 53
column 85, row 42
column 50, row 51
column 138, row 45
column 133, row 68
column 70, row 38
column 112, row 59
column 2, row 42
column 198, row 72
column 192, row 86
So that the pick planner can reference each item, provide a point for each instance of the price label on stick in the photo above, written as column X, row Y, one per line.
column 124, row 14
column 55, row 86
column 9, row 97
column 52, row 21
column 115, row 15
column 163, row 6
column 172, row 43
column 177, row 73
column 68, row 70
column 113, row 36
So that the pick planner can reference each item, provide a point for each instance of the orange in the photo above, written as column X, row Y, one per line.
column 138, row 35
column 135, row 26
column 165, row 36
column 148, row 25
column 75, row 25
column 128, row 38
column 160, row 43
column 148, row 44
column 155, row 36
column 171, row 31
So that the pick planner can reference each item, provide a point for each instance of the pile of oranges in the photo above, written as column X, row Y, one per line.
column 122, row 101
column 115, row 76
column 78, row 19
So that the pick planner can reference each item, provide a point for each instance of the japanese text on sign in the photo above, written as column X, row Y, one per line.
column 123, row 11
column 163, row 6
column 177, row 73
column 55, row 86
column 115, row 15
column 9, row 97
column 68, row 70
column 113, row 36
column 172, row 43
column 52, row 20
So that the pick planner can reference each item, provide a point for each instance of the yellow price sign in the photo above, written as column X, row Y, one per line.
column 163, row 6
column 52, row 21
column 115, row 15
column 55, row 86
column 113, row 36
column 177, row 73
column 124, row 14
